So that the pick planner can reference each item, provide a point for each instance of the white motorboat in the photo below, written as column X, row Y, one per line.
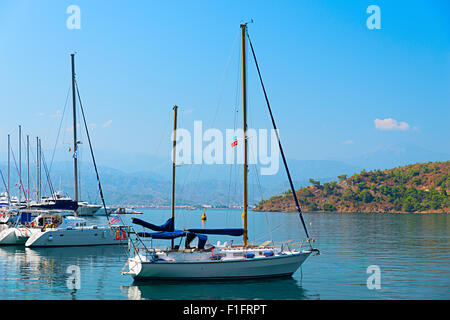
column 4, row 201
column 86, row 209
column 126, row 211
column 220, row 262
column 109, row 210
column 17, row 203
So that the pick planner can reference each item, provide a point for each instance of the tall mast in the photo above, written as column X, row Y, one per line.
column 20, row 163
column 38, row 183
column 28, row 171
column 39, row 170
column 9, row 170
column 175, row 108
column 244, row 128
column 75, row 143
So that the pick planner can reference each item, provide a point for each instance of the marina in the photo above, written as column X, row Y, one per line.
column 287, row 157
column 245, row 261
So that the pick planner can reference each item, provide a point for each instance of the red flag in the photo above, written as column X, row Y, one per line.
column 234, row 144
column 70, row 149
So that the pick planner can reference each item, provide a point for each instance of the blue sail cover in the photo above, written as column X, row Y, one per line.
column 201, row 240
column 25, row 217
column 163, row 234
column 227, row 232
column 167, row 226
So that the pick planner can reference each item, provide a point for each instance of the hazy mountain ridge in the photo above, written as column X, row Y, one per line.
column 216, row 185
column 145, row 179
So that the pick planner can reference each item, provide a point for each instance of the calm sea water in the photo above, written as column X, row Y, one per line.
column 412, row 252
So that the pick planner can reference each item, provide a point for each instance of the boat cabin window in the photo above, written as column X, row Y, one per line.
column 54, row 220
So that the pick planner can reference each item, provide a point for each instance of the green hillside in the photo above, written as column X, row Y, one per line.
column 421, row 188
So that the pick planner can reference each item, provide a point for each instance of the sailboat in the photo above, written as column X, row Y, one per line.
column 57, row 202
column 9, row 205
column 225, row 261
column 73, row 230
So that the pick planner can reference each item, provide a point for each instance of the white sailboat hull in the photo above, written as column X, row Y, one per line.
column 262, row 267
column 15, row 236
column 74, row 237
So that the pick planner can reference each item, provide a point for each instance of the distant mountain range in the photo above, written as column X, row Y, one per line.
column 146, row 179
column 195, row 184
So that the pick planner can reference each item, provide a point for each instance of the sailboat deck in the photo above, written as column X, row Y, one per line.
column 219, row 254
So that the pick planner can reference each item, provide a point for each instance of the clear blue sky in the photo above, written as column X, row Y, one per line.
column 328, row 76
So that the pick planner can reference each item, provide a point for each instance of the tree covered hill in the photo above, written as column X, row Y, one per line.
column 421, row 187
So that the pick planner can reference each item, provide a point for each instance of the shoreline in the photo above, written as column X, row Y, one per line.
column 362, row 212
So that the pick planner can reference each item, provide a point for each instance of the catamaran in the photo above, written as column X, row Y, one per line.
column 223, row 261
column 37, row 228
column 73, row 230
column 58, row 231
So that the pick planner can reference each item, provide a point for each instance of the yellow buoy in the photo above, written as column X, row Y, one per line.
column 204, row 216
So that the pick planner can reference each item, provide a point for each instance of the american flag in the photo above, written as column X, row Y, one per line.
column 114, row 220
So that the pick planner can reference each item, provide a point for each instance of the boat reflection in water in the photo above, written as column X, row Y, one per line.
column 43, row 273
column 285, row 288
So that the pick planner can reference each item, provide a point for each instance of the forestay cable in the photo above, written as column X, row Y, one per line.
column 92, row 153
column 279, row 142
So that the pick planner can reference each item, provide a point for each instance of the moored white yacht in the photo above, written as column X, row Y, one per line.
column 102, row 212
column 4, row 201
column 86, row 209
column 57, row 202
column 63, row 204
column 221, row 263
